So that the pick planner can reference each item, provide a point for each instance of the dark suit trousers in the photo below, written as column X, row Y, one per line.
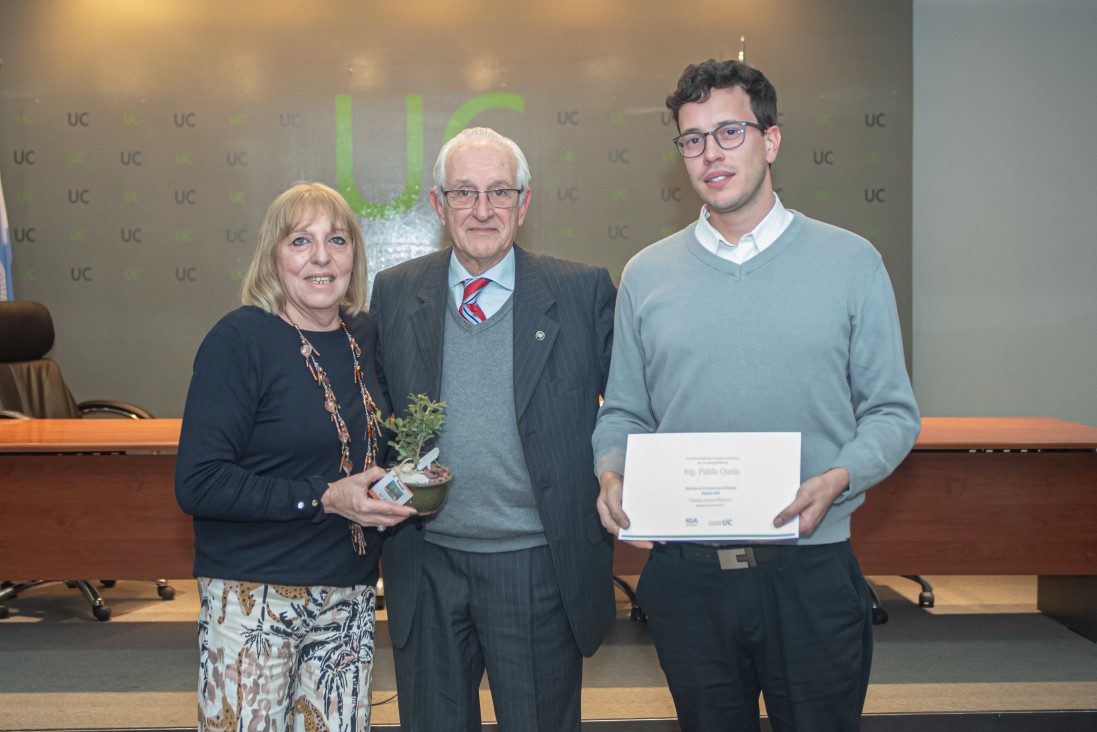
column 501, row 611
column 797, row 628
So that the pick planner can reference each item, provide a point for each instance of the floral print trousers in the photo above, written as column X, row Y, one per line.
column 279, row 658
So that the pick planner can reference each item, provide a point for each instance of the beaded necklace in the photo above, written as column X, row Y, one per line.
column 373, row 430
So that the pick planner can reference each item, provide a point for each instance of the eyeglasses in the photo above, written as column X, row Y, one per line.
column 497, row 197
column 728, row 136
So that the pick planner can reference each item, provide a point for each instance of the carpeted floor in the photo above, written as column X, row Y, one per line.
column 984, row 647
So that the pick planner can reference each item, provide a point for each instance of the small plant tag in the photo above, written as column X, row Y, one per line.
column 429, row 458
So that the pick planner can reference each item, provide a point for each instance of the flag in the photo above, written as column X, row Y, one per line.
column 5, row 251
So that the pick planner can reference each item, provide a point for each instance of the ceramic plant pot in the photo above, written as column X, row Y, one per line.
column 427, row 497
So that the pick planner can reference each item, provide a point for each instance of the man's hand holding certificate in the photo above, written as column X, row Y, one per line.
column 710, row 486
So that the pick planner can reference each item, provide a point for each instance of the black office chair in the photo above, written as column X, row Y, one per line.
column 925, row 598
column 31, row 387
column 636, row 613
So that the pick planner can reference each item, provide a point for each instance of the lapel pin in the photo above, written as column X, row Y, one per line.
column 539, row 335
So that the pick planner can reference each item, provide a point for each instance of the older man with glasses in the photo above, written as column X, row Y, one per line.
column 755, row 318
column 513, row 573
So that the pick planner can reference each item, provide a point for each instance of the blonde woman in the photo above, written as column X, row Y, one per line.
column 278, row 449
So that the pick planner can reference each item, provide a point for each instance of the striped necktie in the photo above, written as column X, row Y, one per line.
column 469, row 309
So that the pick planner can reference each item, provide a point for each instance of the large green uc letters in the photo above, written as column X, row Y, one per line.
column 344, row 148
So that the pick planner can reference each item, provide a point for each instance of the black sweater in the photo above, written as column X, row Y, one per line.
column 258, row 449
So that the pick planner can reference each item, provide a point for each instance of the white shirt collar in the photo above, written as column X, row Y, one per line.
column 754, row 242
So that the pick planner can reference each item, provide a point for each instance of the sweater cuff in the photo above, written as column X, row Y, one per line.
column 308, row 504
column 844, row 495
column 613, row 461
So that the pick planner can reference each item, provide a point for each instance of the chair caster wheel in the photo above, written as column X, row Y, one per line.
column 101, row 613
column 166, row 592
column 638, row 616
column 879, row 616
column 4, row 612
column 108, row 583
column 925, row 599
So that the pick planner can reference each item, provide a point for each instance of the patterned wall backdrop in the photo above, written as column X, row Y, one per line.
column 141, row 142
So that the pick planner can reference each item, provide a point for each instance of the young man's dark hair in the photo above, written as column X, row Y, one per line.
column 698, row 80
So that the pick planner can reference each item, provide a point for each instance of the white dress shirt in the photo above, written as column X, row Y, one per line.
column 495, row 294
column 750, row 244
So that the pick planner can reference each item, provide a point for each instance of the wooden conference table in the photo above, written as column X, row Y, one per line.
column 65, row 515
column 975, row 496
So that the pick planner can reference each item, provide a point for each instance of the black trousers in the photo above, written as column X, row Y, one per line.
column 797, row 628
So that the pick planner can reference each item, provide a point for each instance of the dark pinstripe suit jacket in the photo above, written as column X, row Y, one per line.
column 557, row 380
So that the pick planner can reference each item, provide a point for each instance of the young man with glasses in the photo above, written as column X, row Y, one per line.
column 513, row 573
column 755, row 318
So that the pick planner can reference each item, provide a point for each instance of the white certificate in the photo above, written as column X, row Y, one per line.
column 710, row 486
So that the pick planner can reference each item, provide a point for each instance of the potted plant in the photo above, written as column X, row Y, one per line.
column 419, row 474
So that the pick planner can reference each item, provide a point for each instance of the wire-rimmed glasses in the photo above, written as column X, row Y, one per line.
column 468, row 197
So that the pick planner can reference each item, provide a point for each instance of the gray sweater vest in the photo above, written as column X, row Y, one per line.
column 490, row 506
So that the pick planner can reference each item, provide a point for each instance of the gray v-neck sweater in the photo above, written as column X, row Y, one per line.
column 490, row 506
